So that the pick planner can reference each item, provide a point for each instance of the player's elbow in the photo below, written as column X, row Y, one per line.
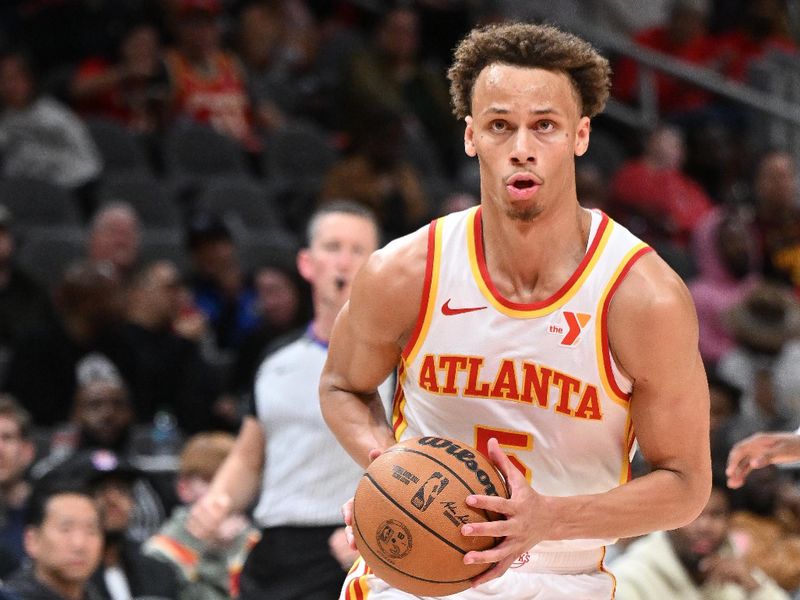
column 694, row 499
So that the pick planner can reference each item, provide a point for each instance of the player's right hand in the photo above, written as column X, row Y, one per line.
column 758, row 451
column 347, row 508
column 207, row 515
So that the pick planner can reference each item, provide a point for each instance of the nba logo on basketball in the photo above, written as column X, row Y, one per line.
column 570, row 327
column 429, row 490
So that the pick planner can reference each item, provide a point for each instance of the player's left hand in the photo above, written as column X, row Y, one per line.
column 522, row 528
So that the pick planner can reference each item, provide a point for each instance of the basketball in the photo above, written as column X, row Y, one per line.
column 409, row 508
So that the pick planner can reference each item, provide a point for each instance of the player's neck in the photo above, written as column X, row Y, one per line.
column 526, row 259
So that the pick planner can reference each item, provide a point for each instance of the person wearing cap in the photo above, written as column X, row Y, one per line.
column 125, row 572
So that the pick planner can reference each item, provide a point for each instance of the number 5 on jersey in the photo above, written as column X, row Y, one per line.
column 507, row 439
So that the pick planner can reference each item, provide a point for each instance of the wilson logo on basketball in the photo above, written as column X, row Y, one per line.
column 574, row 324
column 429, row 490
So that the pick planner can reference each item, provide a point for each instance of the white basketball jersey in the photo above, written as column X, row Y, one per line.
column 538, row 377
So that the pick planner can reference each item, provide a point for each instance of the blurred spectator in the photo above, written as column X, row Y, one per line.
column 171, row 375
column 684, row 37
column 103, row 419
column 776, row 223
column 115, row 237
column 458, row 201
column 207, row 83
column 282, row 304
column 765, row 525
column 389, row 75
column 42, row 373
column 378, row 176
column 591, row 186
column 726, row 423
column 206, row 571
column 218, row 281
column 762, row 29
column 16, row 454
column 654, row 189
column 727, row 261
column 24, row 305
column 39, row 137
column 131, row 89
column 763, row 364
column 694, row 562
column 125, row 572
column 64, row 539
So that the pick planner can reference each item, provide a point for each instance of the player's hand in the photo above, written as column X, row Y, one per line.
column 341, row 550
column 522, row 527
column 347, row 508
column 206, row 516
column 758, row 451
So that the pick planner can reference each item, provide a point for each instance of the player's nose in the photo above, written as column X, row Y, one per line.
column 522, row 147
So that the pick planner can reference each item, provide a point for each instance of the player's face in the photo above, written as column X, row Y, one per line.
column 341, row 245
column 525, row 129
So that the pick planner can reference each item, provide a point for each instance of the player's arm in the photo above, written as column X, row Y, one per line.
column 366, row 344
column 653, row 334
column 235, row 483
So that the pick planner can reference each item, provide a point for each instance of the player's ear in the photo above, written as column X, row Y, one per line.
column 469, row 143
column 304, row 264
column 582, row 136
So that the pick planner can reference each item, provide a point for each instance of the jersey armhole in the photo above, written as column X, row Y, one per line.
column 428, row 290
column 614, row 382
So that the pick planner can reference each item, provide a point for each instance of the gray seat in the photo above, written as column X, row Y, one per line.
column 257, row 250
column 242, row 203
column 298, row 152
column 121, row 150
column 196, row 151
column 46, row 253
column 152, row 200
column 161, row 244
column 35, row 203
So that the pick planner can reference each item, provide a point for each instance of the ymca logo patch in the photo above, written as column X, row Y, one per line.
column 569, row 326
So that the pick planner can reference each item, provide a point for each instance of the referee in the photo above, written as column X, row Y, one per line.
column 305, row 475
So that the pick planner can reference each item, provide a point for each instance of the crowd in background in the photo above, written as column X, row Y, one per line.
column 174, row 148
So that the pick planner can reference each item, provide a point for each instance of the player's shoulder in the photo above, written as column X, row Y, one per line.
column 399, row 265
column 652, row 288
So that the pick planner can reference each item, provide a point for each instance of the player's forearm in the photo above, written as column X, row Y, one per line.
column 358, row 421
column 660, row 500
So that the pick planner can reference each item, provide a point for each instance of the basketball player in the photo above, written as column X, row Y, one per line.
column 543, row 333
column 304, row 474
column 758, row 451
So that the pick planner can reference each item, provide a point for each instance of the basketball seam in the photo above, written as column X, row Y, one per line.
column 394, row 567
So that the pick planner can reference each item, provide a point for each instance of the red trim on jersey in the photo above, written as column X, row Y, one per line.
column 612, row 381
column 481, row 257
column 426, row 289
column 397, row 415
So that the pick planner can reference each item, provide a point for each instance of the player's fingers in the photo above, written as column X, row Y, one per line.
column 487, row 529
column 491, row 555
column 374, row 453
column 351, row 539
column 347, row 512
column 496, row 571
column 493, row 503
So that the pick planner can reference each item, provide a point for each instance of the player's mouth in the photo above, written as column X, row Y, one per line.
column 522, row 186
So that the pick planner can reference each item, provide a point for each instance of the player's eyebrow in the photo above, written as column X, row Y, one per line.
column 499, row 110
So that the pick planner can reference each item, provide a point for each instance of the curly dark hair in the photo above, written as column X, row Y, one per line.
column 529, row 45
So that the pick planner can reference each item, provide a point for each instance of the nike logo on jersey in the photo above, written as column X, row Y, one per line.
column 447, row 311
column 575, row 323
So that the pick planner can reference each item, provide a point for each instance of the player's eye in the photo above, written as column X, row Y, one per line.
column 545, row 125
column 498, row 125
